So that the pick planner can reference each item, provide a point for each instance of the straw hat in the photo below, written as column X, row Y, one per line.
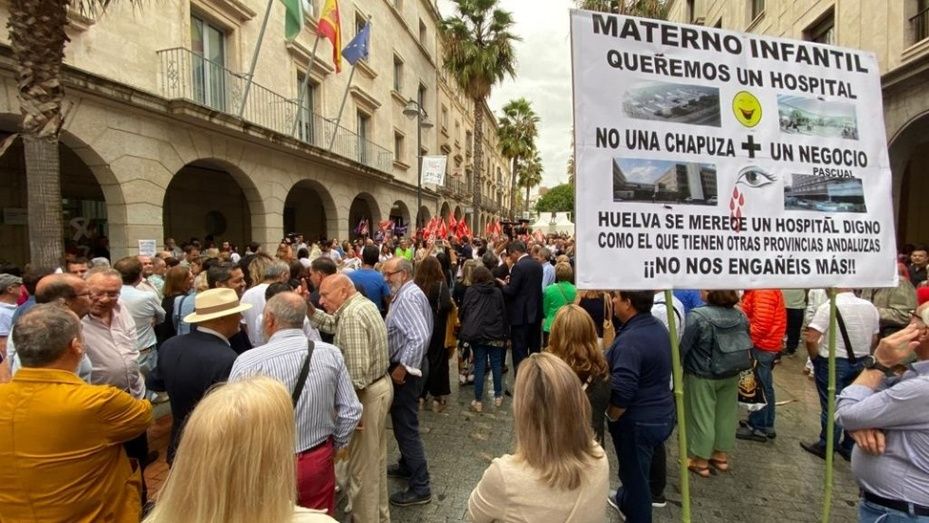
column 216, row 303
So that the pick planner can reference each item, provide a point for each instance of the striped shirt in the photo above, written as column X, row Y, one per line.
column 361, row 334
column 328, row 405
column 409, row 327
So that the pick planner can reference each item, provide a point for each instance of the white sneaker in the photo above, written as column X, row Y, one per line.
column 611, row 499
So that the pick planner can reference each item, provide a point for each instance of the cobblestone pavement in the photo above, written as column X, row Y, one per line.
column 775, row 481
column 769, row 482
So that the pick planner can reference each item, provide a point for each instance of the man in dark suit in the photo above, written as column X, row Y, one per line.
column 190, row 364
column 523, row 292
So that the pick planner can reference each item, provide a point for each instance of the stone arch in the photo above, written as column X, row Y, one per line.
column 445, row 211
column 400, row 214
column 423, row 216
column 93, row 203
column 908, row 156
column 364, row 206
column 458, row 214
column 211, row 197
column 309, row 210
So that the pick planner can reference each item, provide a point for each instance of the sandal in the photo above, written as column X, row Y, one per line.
column 721, row 465
column 703, row 472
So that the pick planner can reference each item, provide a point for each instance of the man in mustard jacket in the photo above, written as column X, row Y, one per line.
column 61, row 454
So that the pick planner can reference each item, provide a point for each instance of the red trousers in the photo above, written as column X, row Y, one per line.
column 316, row 478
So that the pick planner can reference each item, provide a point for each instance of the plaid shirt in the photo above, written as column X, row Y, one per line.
column 361, row 335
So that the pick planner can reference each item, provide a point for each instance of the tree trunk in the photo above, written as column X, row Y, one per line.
column 477, row 163
column 527, row 197
column 37, row 38
column 43, row 190
column 513, row 189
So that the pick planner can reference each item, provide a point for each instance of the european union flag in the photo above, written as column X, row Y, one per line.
column 357, row 49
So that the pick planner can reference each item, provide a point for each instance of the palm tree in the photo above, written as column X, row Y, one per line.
column 478, row 54
column 644, row 8
column 37, row 38
column 530, row 174
column 517, row 130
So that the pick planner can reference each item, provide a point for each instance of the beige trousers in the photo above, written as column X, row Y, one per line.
column 367, row 455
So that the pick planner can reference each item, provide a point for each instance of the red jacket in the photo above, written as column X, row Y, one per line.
column 767, row 318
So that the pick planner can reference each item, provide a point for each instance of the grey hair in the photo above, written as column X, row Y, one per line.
column 545, row 253
column 405, row 265
column 288, row 309
column 43, row 334
column 105, row 271
column 277, row 269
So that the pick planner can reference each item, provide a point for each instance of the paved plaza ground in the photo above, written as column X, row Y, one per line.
column 769, row 482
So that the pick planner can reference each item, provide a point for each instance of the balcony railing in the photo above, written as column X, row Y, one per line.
column 920, row 24
column 186, row 75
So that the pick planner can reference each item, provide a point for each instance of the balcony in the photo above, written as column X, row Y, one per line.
column 920, row 23
column 186, row 75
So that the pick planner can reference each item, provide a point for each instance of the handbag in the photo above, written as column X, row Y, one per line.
column 751, row 393
column 451, row 328
column 304, row 372
column 609, row 333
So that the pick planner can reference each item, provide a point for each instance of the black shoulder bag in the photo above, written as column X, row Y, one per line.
column 304, row 372
column 850, row 354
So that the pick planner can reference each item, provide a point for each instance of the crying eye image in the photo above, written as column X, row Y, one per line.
column 755, row 177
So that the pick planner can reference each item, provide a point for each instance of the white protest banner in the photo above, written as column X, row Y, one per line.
column 434, row 169
column 711, row 159
column 147, row 247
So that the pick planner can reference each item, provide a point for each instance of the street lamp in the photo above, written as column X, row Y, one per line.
column 414, row 109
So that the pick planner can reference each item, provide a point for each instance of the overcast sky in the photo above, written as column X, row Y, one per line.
column 543, row 76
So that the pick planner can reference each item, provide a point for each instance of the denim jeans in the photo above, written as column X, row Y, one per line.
column 481, row 352
column 845, row 374
column 763, row 419
column 872, row 513
column 635, row 443
column 404, row 415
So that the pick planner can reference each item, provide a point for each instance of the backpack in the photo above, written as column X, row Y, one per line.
column 731, row 352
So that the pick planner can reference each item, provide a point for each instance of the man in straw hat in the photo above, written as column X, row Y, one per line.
column 190, row 364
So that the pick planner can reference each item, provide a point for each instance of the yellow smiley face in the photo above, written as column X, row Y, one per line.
column 747, row 109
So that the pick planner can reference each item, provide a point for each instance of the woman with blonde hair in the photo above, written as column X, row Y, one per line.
column 235, row 462
column 574, row 339
column 465, row 359
column 558, row 472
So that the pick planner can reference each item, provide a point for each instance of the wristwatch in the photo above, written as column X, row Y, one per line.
column 870, row 362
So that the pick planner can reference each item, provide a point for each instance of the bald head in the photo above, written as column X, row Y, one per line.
column 334, row 291
column 69, row 289
column 285, row 310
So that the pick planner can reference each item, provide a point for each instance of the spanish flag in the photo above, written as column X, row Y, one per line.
column 329, row 26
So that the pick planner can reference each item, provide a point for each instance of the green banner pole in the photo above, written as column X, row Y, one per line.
column 830, row 412
column 678, row 373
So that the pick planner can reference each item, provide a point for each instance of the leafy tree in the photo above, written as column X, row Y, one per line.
column 517, row 129
column 558, row 199
column 478, row 54
column 530, row 174
column 644, row 8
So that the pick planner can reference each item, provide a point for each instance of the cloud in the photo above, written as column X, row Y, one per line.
column 543, row 76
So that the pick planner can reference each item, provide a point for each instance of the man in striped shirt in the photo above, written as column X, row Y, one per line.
column 409, row 328
column 327, row 411
column 362, row 336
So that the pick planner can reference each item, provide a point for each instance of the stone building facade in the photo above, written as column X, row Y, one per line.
column 153, row 145
column 897, row 31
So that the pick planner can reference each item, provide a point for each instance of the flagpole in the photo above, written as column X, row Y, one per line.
column 341, row 108
column 305, row 85
column 251, row 70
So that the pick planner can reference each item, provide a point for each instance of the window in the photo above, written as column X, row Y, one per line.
column 307, row 108
column 468, row 143
column 421, row 96
column 360, row 22
column 920, row 21
column 398, row 74
column 422, row 32
column 690, row 11
column 363, row 125
column 457, row 132
column 757, row 8
column 398, row 147
column 719, row 23
column 209, row 60
column 444, row 121
column 823, row 30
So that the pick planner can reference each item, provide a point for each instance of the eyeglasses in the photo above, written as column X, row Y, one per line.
column 388, row 274
column 100, row 294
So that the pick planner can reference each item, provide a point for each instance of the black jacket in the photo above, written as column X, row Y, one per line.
column 483, row 314
column 188, row 366
column 524, row 292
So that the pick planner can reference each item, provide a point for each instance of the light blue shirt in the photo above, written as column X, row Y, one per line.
column 146, row 311
column 901, row 410
column 548, row 274
column 409, row 327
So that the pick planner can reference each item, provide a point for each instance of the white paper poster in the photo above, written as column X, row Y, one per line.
column 710, row 159
column 147, row 247
column 434, row 169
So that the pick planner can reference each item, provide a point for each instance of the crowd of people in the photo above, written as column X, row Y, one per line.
column 282, row 370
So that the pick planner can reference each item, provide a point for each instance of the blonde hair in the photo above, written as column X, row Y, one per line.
column 466, row 271
column 256, row 267
column 552, row 419
column 564, row 272
column 201, row 283
column 573, row 338
column 235, row 462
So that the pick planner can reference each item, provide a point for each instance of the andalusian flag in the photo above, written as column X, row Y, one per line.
column 329, row 26
column 293, row 17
